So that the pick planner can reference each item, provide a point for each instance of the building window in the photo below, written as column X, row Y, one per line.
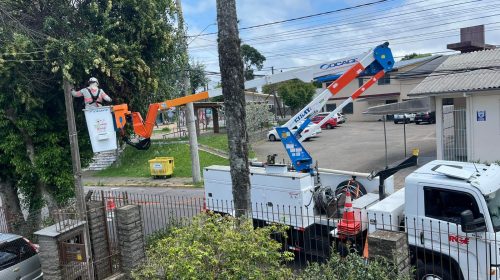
column 360, row 82
column 447, row 205
column 386, row 80
column 331, row 107
column 348, row 109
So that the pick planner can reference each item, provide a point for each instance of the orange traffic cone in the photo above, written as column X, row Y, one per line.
column 348, row 225
column 110, row 203
column 365, row 250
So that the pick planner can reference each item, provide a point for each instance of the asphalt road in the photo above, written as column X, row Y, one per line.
column 359, row 146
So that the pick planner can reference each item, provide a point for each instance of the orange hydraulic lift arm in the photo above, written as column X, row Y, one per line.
column 143, row 128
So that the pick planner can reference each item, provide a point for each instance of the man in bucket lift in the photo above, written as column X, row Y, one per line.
column 93, row 96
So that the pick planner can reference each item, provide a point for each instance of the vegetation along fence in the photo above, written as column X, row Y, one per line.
column 429, row 245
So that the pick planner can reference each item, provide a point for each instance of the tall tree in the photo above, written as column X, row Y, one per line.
column 295, row 93
column 197, row 75
column 231, row 68
column 43, row 41
column 251, row 58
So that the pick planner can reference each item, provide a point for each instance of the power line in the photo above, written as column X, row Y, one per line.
column 304, row 17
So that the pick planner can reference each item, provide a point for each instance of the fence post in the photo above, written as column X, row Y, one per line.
column 99, row 238
column 393, row 246
column 130, row 237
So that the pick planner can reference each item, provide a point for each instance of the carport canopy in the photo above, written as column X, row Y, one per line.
column 409, row 106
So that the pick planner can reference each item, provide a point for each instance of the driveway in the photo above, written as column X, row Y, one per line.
column 359, row 146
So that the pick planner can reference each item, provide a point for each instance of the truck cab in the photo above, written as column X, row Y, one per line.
column 452, row 218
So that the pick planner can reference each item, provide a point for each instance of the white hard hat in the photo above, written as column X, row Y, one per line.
column 93, row 80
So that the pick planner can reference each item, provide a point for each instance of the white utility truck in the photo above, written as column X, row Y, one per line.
column 449, row 210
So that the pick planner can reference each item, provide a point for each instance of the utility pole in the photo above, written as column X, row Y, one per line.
column 186, row 88
column 232, row 79
column 77, row 172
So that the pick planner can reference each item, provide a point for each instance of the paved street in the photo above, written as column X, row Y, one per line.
column 359, row 146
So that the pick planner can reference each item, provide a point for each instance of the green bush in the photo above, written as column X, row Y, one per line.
column 212, row 247
column 352, row 267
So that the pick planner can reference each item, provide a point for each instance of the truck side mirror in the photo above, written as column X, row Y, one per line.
column 469, row 224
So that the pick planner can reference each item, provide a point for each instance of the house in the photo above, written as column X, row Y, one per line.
column 392, row 88
column 465, row 89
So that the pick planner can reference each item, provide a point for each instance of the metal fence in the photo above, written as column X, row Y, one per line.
column 427, row 246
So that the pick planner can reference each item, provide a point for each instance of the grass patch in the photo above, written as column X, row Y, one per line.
column 134, row 163
column 218, row 141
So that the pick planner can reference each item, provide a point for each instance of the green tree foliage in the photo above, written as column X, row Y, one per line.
column 129, row 45
column 415, row 55
column 197, row 75
column 251, row 58
column 211, row 247
column 295, row 93
column 352, row 267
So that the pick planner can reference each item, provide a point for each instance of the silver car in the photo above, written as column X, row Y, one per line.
column 18, row 258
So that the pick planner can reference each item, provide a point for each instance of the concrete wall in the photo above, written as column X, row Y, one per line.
column 485, row 135
column 482, row 136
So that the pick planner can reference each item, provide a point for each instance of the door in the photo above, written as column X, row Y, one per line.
column 439, row 231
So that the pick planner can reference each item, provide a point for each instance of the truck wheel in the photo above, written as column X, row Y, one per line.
column 272, row 138
column 433, row 271
column 329, row 126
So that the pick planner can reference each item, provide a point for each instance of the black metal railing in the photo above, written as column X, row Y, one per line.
column 426, row 245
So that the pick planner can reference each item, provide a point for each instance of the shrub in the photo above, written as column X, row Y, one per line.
column 212, row 247
column 352, row 267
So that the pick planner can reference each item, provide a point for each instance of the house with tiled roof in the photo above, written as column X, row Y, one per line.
column 465, row 89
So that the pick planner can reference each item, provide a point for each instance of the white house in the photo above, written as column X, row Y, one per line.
column 465, row 89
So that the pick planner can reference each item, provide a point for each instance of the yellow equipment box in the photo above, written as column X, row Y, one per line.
column 161, row 166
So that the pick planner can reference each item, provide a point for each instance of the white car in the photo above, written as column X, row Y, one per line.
column 272, row 135
column 404, row 118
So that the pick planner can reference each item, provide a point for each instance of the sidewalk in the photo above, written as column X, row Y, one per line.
column 89, row 180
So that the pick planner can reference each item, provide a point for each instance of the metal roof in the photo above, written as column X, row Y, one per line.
column 463, row 72
column 423, row 70
column 404, row 63
column 410, row 106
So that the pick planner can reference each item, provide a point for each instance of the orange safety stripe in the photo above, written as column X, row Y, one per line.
column 368, row 84
column 184, row 100
column 346, row 78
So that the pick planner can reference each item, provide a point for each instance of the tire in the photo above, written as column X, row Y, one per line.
column 272, row 138
column 329, row 126
column 433, row 271
column 356, row 189
column 395, row 122
column 417, row 122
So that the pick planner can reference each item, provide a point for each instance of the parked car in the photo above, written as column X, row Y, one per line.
column 404, row 118
column 18, row 258
column 340, row 118
column 272, row 135
column 329, row 124
column 428, row 117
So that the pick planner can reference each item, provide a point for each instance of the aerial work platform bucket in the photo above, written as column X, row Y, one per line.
column 101, row 129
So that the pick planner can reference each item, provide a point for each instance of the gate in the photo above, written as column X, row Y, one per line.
column 454, row 128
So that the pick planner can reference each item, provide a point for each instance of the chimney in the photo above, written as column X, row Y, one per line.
column 471, row 39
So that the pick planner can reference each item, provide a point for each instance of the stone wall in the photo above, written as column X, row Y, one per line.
column 392, row 246
column 130, row 237
column 99, row 239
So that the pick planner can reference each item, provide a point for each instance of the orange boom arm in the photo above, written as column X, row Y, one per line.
column 145, row 128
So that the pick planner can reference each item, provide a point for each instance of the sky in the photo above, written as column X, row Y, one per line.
column 348, row 27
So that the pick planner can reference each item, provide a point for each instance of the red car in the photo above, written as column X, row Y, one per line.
column 329, row 124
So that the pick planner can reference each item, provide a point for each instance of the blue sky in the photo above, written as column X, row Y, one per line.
column 421, row 26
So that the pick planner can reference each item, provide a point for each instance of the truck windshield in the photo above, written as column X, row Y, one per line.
column 493, row 201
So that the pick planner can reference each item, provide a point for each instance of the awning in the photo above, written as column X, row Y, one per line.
column 410, row 106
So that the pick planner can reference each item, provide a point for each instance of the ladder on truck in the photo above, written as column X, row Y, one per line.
column 374, row 63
